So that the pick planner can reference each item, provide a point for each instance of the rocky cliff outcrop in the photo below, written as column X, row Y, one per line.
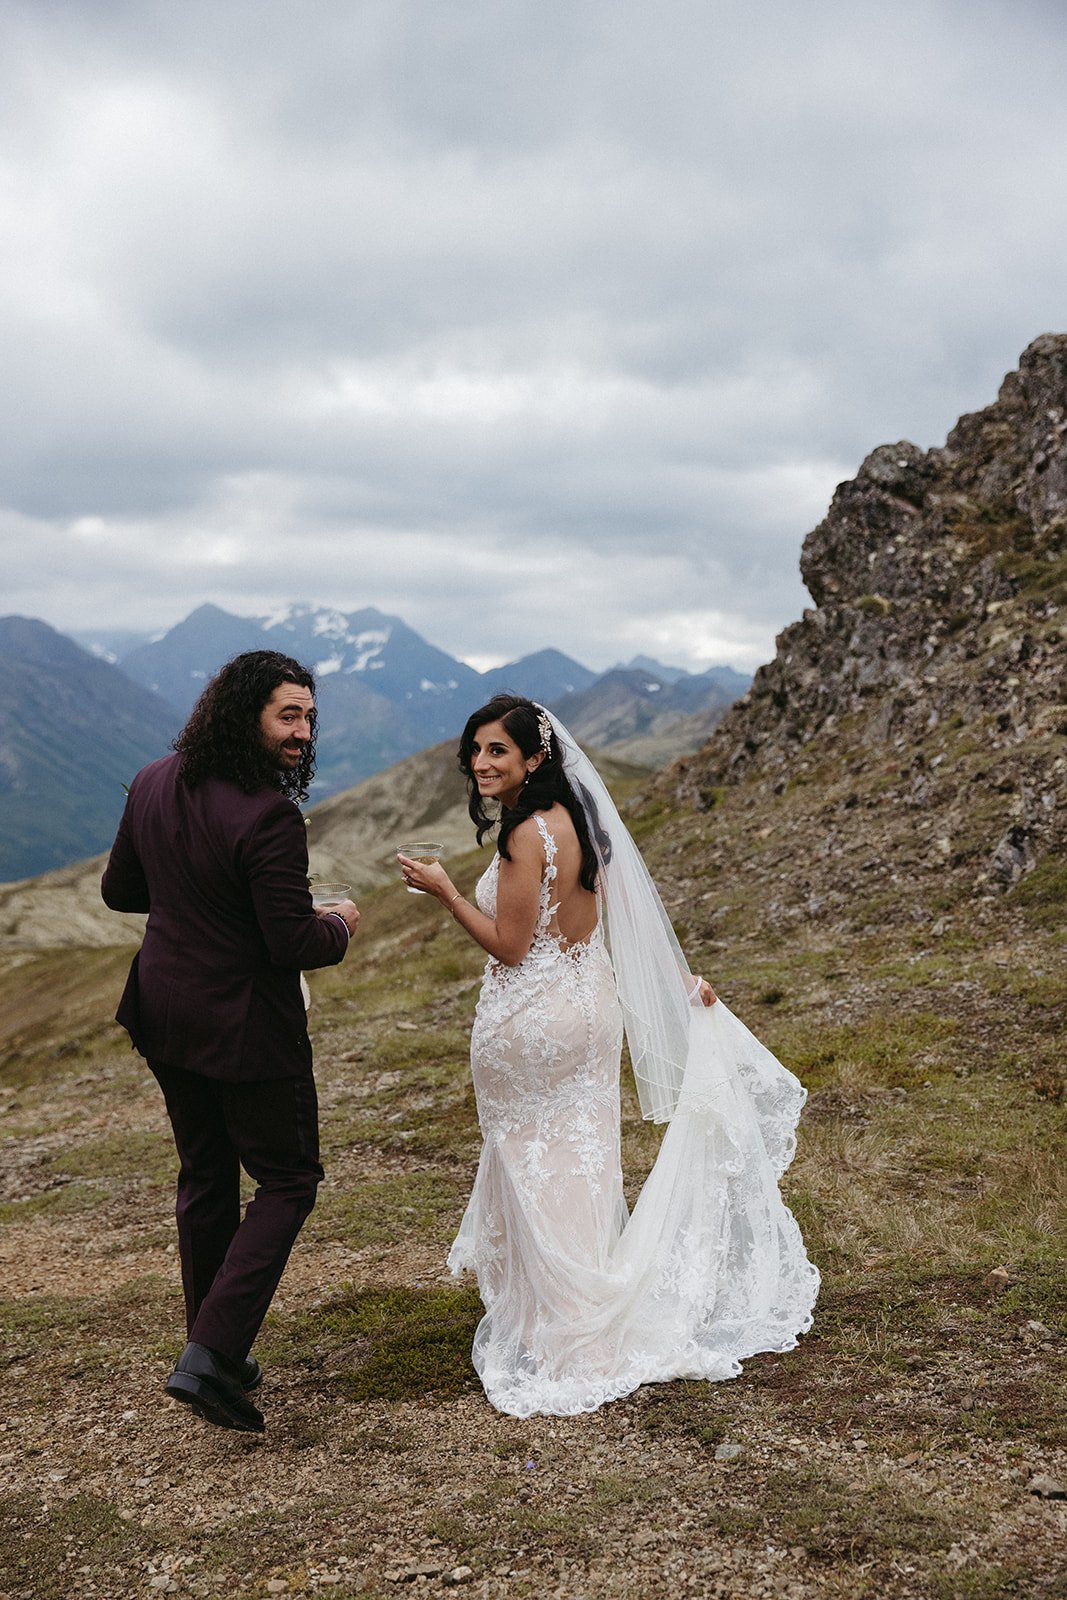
column 929, row 675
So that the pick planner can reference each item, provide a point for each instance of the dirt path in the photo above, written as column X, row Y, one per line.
column 892, row 1454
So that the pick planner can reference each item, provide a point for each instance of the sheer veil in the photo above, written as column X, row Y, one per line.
column 683, row 1052
column 656, row 989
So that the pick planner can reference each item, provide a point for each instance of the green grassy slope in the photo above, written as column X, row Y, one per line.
column 888, row 1455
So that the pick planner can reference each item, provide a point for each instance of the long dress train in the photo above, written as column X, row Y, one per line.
column 584, row 1303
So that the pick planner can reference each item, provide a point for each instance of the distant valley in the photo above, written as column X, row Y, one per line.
column 352, row 838
column 89, row 711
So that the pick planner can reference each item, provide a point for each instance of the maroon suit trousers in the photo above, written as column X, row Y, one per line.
column 231, row 1265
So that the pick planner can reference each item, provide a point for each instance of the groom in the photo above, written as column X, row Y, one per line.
column 213, row 847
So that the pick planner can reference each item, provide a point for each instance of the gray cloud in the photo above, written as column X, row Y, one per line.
column 536, row 323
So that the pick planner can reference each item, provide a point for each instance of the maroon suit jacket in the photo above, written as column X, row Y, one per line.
column 215, row 987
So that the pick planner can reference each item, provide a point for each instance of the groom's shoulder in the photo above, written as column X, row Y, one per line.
column 227, row 798
column 158, row 774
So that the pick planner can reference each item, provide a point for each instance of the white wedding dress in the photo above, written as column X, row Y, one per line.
column 583, row 1303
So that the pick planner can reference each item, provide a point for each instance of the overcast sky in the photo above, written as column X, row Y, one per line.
column 538, row 322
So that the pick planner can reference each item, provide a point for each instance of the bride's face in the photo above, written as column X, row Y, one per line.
column 498, row 765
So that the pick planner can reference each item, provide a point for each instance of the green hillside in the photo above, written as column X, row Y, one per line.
column 889, row 1455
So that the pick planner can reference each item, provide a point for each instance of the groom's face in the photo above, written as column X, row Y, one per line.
column 286, row 724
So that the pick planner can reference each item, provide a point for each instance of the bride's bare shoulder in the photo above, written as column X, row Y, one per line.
column 557, row 819
column 560, row 825
column 561, row 822
column 526, row 835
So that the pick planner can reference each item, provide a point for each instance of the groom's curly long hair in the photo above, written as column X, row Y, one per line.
column 223, row 739
column 546, row 785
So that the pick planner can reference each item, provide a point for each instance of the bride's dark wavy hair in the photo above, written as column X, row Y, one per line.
column 546, row 785
column 222, row 738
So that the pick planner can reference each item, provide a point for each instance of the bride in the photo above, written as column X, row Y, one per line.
column 584, row 1303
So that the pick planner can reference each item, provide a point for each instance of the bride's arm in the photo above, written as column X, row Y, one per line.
column 507, row 937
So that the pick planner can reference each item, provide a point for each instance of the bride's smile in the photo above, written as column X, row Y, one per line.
column 499, row 767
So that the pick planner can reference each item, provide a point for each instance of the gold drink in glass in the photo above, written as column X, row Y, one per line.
column 424, row 851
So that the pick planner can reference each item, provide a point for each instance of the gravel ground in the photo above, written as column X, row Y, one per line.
column 858, row 1465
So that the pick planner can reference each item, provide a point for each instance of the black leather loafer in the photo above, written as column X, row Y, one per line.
column 251, row 1373
column 207, row 1383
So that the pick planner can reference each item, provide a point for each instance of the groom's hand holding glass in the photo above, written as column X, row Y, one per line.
column 331, row 900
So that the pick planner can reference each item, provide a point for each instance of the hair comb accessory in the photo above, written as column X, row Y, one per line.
column 544, row 728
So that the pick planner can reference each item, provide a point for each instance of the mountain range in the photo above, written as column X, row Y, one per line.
column 73, row 730
column 904, row 749
column 90, row 710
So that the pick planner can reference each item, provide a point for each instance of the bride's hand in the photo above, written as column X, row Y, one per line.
column 429, row 876
column 703, row 993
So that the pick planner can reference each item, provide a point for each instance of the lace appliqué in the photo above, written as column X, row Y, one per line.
column 583, row 1304
column 537, row 1051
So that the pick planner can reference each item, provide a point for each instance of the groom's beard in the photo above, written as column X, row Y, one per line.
column 287, row 765
column 285, row 754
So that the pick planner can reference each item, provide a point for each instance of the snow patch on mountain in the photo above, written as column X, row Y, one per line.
column 330, row 625
column 278, row 619
column 368, row 645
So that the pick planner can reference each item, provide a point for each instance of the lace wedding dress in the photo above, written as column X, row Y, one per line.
column 583, row 1303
